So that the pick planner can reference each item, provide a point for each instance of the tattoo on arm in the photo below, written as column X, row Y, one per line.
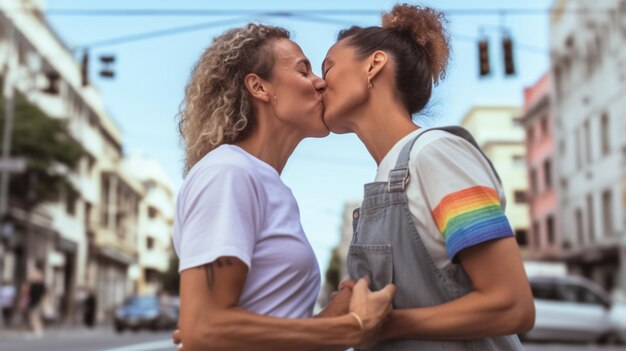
column 209, row 272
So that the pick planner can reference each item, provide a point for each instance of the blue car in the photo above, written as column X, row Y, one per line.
column 146, row 312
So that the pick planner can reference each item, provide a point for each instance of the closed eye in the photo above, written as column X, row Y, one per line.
column 326, row 72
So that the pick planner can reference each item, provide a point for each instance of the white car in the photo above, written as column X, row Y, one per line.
column 575, row 309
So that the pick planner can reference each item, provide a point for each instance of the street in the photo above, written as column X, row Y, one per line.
column 104, row 339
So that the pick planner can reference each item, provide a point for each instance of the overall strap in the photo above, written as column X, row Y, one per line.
column 399, row 175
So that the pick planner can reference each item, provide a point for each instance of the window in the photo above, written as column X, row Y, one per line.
column 150, row 275
column 519, row 161
column 70, row 203
column 520, row 197
column 88, row 215
column 149, row 243
column 536, row 235
column 577, row 145
column 607, row 208
column 550, row 230
column 547, row 173
column 590, row 217
column 530, row 135
column 521, row 236
column 544, row 125
column 152, row 212
column 543, row 291
column 577, row 294
column 579, row 226
column 533, row 182
column 587, row 142
column 606, row 144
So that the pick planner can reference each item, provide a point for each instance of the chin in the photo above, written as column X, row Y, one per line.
column 333, row 127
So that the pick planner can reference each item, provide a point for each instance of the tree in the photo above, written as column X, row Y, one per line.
column 333, row 274
column 50, row 153
column 171, row 278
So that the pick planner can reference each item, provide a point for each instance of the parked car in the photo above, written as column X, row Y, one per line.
column 575, row 309
column 146, row 311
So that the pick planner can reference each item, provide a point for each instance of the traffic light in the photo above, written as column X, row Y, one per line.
column 84, row 69
column 107, row 61
column 507, row 50
column 483, row 57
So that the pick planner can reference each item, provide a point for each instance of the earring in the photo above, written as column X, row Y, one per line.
column 369, row 82
column 275, row 99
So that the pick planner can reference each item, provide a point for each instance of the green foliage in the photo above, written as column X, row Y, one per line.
column 45, row 143
column 332, row 272
column 171, row 278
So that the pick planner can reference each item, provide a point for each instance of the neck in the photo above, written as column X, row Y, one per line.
column 381, row 125
column 271, row 144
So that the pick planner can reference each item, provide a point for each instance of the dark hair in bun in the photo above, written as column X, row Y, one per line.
column 418, row 42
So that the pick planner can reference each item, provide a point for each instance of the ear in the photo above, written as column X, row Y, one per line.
column 377, row 62
column 257, row 87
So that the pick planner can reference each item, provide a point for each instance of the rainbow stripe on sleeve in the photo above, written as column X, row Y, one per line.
column 469, row 217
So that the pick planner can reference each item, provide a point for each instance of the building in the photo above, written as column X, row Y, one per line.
column 156, row 220
column 498, row 133
column 544, row 241
column 84, row 239
column 588, row 103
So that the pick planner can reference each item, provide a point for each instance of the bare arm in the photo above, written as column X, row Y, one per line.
column 500, row 304
column 211, row 320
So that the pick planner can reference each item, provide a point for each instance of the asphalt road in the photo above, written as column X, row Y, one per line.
column 104, row 339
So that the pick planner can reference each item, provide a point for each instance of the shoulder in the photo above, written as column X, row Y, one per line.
column 439, row 146
column 445, row 158
column 220, row 170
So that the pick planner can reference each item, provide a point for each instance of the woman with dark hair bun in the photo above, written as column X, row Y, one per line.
column 433, row 221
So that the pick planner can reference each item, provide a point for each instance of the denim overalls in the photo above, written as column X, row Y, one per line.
column 387, row 247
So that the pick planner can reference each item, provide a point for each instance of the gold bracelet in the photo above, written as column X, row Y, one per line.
column 358, row 319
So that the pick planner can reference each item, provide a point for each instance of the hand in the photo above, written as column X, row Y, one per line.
column 373, row 308
column 177, row 340
column 339, row 302
column 346, row 283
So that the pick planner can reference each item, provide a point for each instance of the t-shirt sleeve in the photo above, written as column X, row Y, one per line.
column 461, row 192
column 220, row 217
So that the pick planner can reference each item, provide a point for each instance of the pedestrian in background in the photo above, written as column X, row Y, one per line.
column 7, row 301
column 89, row 318
column 36, row 294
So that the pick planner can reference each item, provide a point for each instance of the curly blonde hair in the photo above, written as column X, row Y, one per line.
column 216, row 109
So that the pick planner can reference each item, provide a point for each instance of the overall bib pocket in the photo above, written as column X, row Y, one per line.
column 373, row 260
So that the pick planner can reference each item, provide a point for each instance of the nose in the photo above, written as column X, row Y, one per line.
column 319, row 84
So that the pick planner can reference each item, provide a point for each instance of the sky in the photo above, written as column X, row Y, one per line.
column 324, row 174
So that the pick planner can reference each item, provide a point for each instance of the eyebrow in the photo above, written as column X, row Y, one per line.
column 305, row 61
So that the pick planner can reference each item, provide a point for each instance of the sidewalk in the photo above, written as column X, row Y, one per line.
column 56, row 332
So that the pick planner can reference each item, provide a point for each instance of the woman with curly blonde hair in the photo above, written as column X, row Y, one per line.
column 249, row 278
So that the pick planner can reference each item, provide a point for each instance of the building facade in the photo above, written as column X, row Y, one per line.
column 544, row 241
column 498, row 132
column 91, row 238
column 589, row 72
column 156, row 220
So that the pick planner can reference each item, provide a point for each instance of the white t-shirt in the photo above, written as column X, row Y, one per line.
column 454, row 197
column 233, row 204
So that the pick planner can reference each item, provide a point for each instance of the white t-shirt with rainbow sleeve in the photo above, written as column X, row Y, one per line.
column 454, row 197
